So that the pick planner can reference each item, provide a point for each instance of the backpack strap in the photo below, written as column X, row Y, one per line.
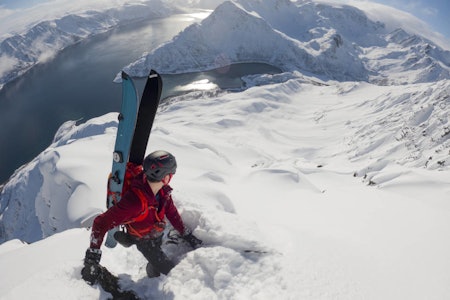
column 115, row 196
column 144, row 206
column 144, row 213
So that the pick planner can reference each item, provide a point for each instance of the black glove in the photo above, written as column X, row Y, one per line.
column 192, row 240
column 91, row 269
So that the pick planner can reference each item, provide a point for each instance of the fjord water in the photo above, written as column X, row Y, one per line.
column 77, row 84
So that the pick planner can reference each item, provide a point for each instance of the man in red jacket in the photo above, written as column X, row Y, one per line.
column 142, row 210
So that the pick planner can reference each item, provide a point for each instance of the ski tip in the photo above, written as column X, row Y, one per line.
column 153, row 74
column 125, row 75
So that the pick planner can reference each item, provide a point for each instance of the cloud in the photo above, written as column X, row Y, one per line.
column 416, row 7
column 395, row 18
column 7, row 64
column 430, row 11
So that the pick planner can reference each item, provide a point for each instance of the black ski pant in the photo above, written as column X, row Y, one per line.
column 158, row 262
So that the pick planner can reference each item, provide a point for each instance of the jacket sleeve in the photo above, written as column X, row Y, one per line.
column 125, row 210
column 172, row 212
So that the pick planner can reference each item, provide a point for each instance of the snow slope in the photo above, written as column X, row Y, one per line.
column 333, row 180
column 331, row 41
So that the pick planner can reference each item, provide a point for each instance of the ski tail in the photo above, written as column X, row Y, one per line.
column 146, row 116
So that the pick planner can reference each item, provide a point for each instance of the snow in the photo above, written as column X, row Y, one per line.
column 35, row 35
column 394, row 19
column 330, row 39
column 314, row 174
column 337, row 42
column 344, row 185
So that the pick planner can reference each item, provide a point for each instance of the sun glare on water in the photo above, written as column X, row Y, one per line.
column 202, row 85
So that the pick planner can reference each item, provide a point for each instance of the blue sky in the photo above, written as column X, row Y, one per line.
column 434, row 12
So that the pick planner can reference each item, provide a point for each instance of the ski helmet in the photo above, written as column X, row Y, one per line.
column 158, row 164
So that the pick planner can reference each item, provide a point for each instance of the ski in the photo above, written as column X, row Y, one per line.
column 146, row 116
column 136, row 140
column 127, row 122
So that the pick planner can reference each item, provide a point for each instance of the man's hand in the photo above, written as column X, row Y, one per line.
column 91, row 269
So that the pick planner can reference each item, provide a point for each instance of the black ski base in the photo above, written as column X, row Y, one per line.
column 146, row 116
column 110, row 283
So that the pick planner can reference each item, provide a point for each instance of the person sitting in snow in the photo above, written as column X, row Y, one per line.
column 142, row 209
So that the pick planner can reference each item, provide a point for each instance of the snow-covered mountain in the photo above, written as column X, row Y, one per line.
column 330, row 41
column 42, row 41
column 344, row 184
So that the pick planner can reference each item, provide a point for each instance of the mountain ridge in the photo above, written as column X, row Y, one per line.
column 333, row 43
column 21, row 51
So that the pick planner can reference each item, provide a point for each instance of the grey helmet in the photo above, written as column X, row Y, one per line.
column 158, row 164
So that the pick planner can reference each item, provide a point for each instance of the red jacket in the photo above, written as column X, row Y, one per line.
column 130, row 207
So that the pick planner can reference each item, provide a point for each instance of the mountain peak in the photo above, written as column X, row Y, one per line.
column 333, row 42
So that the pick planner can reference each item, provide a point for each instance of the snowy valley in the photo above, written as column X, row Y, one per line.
column 338, row 168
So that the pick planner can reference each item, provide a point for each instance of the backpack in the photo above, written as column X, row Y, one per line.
column 131, row 172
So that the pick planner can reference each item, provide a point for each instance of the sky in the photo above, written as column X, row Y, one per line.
column 434, row 12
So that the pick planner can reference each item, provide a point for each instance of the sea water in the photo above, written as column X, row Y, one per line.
column 77, row 84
